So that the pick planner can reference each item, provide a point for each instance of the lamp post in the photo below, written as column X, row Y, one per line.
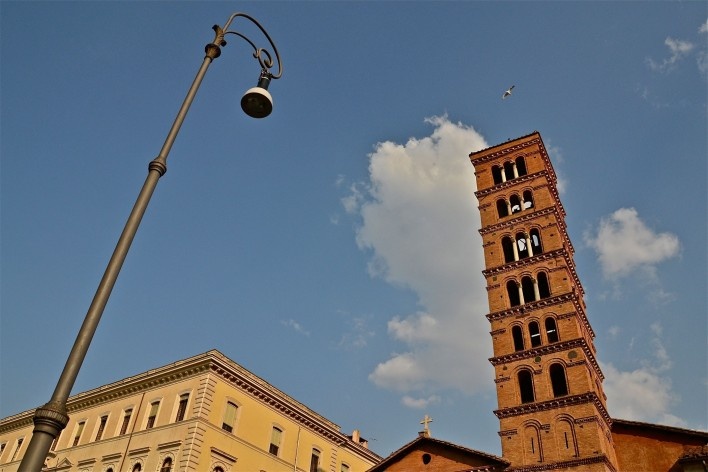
column 52, row 417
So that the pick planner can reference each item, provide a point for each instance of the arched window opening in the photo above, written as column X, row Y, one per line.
column 520, row 166
column 551, row 330
column 535, row 334
column 522, row 245
column 137, row 467
column 518, row 337
column 558, row 382
column 315, row 461
column 218, row 469
column 526, row 386
column 535, row 237
column 527, row 289
column 515, row 204
column 532, row 445
column 509, row 170
column 544, row 290
column 528, row 199
column 502, row 209
column 512, row 291
column 166, row 465
column 110, row 469
column 497, row 174
column 508, row 249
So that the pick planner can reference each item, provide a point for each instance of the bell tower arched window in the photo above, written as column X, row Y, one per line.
column 497, row 174
column 528, row 199
column 527, row 288
column 515, row 203
column 551, row 330
column 534, row 334
column 508, row 249
column 558, row 380
column 509, row 170
column 526, row 386
column 502, row 208
column 518, row 336
column 520, row 166
column 512, row 290
column 544, row 290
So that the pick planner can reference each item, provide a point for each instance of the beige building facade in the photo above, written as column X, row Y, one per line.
column 205, row 413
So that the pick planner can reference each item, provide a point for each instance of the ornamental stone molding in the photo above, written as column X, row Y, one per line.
column 560, row 402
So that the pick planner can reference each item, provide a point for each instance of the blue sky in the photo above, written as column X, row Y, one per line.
column 332, row 248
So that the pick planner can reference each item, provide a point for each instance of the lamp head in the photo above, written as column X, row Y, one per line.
column 257, row 102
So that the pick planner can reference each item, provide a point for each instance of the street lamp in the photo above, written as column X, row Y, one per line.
column 52, row 417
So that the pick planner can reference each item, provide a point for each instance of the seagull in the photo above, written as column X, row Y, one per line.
column 508, row 92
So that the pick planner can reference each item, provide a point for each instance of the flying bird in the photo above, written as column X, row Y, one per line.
column 508, row 92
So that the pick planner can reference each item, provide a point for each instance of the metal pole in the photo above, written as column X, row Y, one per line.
column 52, row 417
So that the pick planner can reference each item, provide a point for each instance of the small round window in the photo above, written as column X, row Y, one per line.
column 426, row 459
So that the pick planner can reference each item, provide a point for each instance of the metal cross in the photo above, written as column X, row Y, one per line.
column 426, row 420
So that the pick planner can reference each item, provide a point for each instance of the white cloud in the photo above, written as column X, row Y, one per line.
column 703, row 28
column 297, row 327
column 645, row 393
column 420, row 403
column 678, row 49
column 419, row 221
column 625, row 245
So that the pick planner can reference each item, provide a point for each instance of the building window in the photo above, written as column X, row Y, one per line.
column 275, row 438
column 344, row 468
column 218, row 469
column 52, row 447
column 526, row 386
column 502, row 208
column 152, row 416
column 509, row 171
column 101, row 427
column 182, row 407
column 535, row 334
column 558, row 382
column 551, row 331
column 535, row 238
column 515, row 203
column 229, row 417
column 166, row 465
column 315, row 461
column 126, row 421
column 137, row 467
column 17, row 449
column 528, row 199
column 518, row 336
column 527, row 289
column 532, row 449
column 110, row 469
column 520, row 166
column 497, row 174
column 2, row 448
column 512, row 290
column 79, row 430
column 543, row 288
column 508, row 249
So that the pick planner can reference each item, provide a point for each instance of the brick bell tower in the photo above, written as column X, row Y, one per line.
column 551, row 407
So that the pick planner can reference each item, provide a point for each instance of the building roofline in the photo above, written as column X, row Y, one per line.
column 659, row 427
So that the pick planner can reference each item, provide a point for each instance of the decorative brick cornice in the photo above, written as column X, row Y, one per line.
column 578, row 343
column 599, row 459
column 522, row 179
column 528, row 308
column 560, row 402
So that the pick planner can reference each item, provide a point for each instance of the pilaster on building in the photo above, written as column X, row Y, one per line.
column 551, row 406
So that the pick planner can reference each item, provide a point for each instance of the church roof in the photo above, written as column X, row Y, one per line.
column 658, row 428
column 494, row 462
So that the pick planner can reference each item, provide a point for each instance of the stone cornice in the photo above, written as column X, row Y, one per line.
column 560, row 402
column 579, row 343
column 566, row 465
column 544, row 256
column 520, row 311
